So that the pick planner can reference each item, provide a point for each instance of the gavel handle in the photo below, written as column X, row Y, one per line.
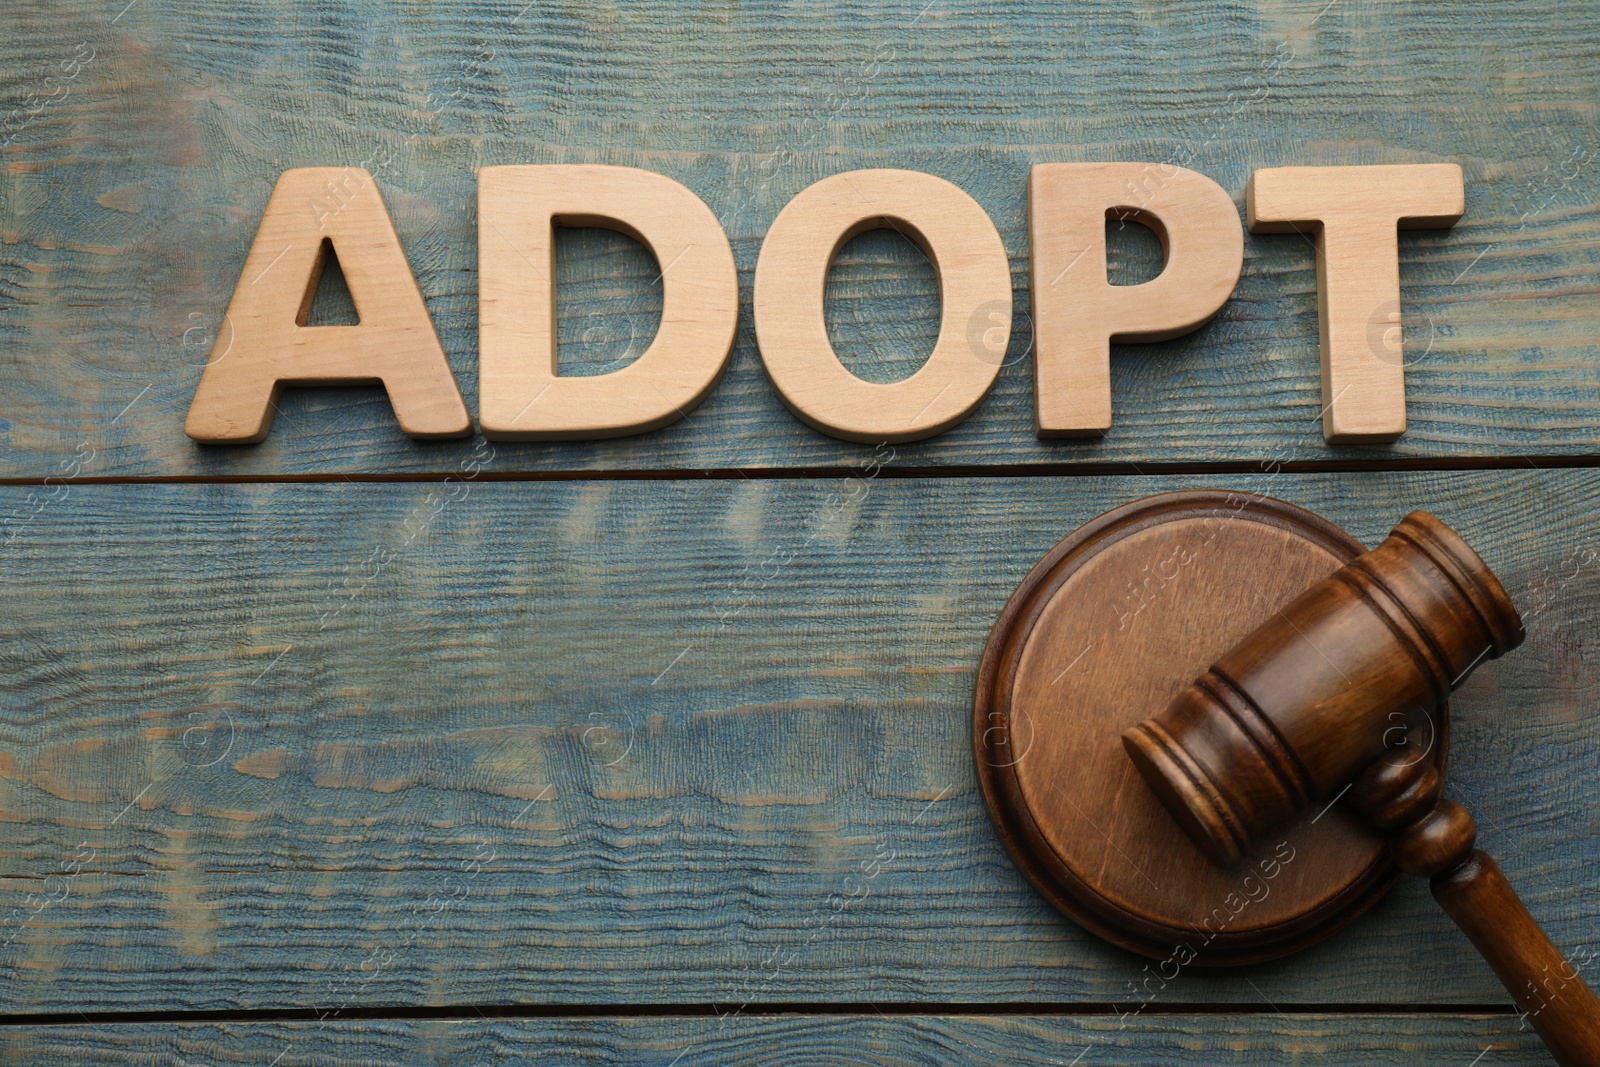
column 1545, row 985
column 1433, row 837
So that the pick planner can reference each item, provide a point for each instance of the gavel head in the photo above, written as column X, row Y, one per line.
column 1327, row 685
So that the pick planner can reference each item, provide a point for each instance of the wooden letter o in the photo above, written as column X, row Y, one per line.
column 969, row 258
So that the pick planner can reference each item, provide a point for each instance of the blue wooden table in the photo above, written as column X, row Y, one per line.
column 657, row 750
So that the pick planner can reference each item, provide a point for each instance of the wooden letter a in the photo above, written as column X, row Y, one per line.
column 265, row 344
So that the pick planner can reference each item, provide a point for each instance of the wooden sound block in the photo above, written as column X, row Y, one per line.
column 1104, row 632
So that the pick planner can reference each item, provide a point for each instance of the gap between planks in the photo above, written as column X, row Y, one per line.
column 693, row 1011
column 1002, row 470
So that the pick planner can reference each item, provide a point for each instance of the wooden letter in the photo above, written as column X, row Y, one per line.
column 1078, row 314
column 1354, row 212
column 267, row 344
column 522, row 398
column 965, row 249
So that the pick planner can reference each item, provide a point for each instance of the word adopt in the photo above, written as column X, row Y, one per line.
column 1353, row 214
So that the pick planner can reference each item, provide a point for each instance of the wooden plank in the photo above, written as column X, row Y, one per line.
column 641, row 741
column 1166, row 1040
column 128, row 205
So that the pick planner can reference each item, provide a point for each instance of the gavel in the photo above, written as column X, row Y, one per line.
column 1328, row 699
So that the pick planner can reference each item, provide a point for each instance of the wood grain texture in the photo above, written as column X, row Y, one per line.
column 1550, row 993
column 128, row 205
column 623, row 742
column 919, row 1041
